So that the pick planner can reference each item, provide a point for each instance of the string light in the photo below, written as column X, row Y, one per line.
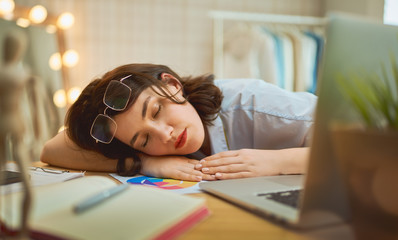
column 23, row 22
column 38, row 14
column 73, row 94
column 6, row 7
column 59, row 98
column 65, row 20
column 61, row 128
column 55, row 61
column 70, row 58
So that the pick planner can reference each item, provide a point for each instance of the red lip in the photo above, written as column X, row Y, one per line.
column 181, row 139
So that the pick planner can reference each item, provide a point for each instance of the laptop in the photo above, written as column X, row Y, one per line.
column 352, row 44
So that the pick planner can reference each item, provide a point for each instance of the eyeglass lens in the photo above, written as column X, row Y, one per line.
column 103, row 128
column 117, row 95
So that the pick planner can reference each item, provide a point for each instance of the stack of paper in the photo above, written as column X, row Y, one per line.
column 38, row 177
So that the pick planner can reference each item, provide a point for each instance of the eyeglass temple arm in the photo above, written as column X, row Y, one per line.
column 126, row 77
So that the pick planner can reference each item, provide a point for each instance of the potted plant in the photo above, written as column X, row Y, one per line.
column 368, row 152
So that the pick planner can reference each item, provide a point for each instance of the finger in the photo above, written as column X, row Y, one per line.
column 221, row 155
column 225, row 176
column 220, row 162
column 193, row 161
column 198, row 166
column 209, row 177
column 188, row 177
column 231, row 168
column 191, row 171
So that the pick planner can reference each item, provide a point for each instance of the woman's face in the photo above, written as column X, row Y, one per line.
column 158, row 126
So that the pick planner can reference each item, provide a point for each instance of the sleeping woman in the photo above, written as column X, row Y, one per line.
column 144, row 118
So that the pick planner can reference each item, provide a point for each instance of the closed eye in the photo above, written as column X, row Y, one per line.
column 158, row 111
column 154, row 116
column 145, row 141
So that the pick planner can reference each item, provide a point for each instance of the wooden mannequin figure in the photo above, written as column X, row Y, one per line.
column 12, row 84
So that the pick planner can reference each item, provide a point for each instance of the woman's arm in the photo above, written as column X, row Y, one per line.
column 254, row 163
column 60, row 151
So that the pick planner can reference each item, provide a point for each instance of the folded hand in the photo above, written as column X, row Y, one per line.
column 176, row 167
column 253, row 163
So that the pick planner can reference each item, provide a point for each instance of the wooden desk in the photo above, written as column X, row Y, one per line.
column 228, row 221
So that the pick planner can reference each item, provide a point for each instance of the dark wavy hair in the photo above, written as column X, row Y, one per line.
column 200, row 91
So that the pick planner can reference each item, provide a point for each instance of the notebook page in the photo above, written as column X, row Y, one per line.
column 51, row 198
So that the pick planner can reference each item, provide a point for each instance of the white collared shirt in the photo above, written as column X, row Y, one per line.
column 259, row 115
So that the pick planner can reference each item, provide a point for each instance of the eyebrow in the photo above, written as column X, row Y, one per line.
column 145, row 107
column 144, row 110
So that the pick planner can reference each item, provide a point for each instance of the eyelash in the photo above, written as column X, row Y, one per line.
column 157, row 112
column 146, row 141
column 154, row 116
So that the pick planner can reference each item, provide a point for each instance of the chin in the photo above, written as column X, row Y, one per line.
column 193, row 150
column 194, row 147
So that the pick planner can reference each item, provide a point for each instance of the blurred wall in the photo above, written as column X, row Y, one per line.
column 370, row 8
column 177, row 33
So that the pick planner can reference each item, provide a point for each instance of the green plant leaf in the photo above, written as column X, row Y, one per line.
column 349, row 92
column 374, row 96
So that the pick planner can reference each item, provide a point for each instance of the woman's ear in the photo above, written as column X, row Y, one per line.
column 172, row 82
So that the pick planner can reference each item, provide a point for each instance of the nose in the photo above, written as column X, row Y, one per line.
column 164, row 132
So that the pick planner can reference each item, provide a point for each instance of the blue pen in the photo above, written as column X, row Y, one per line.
column 98, row 198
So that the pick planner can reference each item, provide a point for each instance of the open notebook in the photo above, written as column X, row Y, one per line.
column 136, row 213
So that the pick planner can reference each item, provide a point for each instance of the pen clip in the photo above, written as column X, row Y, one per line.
column 47, row 170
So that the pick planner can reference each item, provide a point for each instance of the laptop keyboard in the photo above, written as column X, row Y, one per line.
column 290, row 198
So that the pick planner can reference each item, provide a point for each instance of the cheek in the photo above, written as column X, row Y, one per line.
column 194, row 117
column 197, row 131
column 122, row 135
column 186, row 116
column 125, row 128
column 157, row 148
